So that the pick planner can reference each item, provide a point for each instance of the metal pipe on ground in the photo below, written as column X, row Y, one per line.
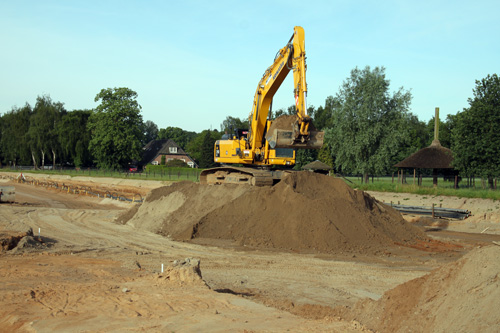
column 453, row 213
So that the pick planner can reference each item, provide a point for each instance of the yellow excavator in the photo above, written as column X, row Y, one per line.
column 268, row 147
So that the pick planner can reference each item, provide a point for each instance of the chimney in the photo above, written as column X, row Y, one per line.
column 436, row 142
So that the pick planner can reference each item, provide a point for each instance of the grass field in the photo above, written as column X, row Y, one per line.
column 386, row 184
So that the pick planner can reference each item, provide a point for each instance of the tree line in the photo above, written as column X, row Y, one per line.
column 109, row 137
column 367, row 128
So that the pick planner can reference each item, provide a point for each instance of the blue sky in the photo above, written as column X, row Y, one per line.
column 193, row 63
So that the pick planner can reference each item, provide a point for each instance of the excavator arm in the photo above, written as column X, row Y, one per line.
column 291, row 57
column 299, row 73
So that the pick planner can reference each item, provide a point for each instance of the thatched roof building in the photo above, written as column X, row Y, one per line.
column 433, row 157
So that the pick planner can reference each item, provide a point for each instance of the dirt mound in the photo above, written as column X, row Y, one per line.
column 308, row 212
column 29, row 243
column 9, row 240
column 182, row 272
column 16, row 242
column 171, row 210
column 459, row 297
column 304, row 212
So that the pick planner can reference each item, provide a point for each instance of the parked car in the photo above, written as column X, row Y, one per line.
column 132, row 168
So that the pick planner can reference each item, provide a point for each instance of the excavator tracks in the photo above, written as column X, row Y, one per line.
column 234, row 175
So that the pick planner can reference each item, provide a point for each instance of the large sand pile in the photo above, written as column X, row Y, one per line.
column 171, row 210
column 308, row 211
column 304, row 212
column 462, row 296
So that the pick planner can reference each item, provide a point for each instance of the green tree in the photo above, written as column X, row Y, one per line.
column 304, row 156
column 43, row 136
column 368, row 123
column 150, row 132
column 14, row 128
column 475, row 134
column 283, row 112
column 322, row 116
column 325, row 155
column 231, row 123
column 201, row 148
column 311, row 111
column 74, row 137
column 207, row 151
column 417, row 136
column 116, row 128
column 180, row 136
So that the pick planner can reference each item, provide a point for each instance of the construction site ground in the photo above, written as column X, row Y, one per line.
column 90, row 273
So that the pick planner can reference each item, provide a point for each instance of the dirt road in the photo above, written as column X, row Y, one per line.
column 93, row 274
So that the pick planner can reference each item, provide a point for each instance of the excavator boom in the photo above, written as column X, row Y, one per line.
column 295, row 134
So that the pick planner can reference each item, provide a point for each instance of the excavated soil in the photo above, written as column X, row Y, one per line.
column 305, row 212
column 9, row 239
column 287, row 122
column 462, row 296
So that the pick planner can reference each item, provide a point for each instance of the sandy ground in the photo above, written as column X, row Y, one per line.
column 91, row 274
column 485, row 212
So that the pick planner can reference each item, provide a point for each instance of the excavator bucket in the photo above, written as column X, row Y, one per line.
column 284, row 132
column 280, row 138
